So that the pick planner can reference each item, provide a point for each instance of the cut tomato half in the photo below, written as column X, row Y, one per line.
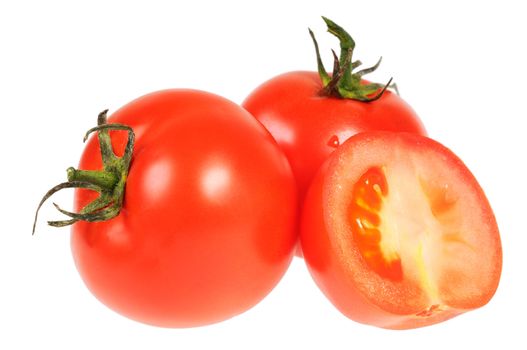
column 397, row 232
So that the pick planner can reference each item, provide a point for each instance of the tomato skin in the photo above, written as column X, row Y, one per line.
column 309, row 127
column 207, row 225
column 339, row 270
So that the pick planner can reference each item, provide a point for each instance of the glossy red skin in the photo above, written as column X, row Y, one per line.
column 206, row 230
column 330, row 266
column 309, row 127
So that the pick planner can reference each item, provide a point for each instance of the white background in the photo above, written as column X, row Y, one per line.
column 461, row 65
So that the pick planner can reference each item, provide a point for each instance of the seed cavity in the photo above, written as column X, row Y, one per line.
column 381, row 255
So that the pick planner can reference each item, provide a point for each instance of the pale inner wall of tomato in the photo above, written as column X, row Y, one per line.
column 408, row 220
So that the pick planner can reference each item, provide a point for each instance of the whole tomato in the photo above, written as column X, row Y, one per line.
column 311, row 114
column 206, row 228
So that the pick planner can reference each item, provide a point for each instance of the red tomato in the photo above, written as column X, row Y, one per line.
column 310, row 114
column 207, row 225
column 309, row 127
column 397, row 232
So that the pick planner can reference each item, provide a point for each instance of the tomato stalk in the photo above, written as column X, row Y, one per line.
column 343, row 82
column 108, row 182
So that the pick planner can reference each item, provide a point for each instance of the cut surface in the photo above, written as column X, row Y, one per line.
column 398, row 221
column 417, row 232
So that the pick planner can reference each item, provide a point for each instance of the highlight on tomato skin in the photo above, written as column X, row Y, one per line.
column 397, row 232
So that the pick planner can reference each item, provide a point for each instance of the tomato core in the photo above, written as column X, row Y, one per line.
column 368, row 194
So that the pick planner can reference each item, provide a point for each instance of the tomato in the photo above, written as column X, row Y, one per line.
column 206, row 227
column 309, row 127
column 309, row 120
column 397, row 232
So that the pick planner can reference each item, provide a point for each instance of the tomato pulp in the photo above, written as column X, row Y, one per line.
column 397, row 232
column 207, row 225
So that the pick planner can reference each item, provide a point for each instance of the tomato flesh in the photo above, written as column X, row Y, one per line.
column 397, row 232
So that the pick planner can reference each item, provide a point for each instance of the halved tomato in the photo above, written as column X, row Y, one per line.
column 397, row 232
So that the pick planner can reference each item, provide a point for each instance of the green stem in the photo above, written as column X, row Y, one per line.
column 347, row 45
column 324, row 76
column 104, row 139
column 109, row 182
column 103, row 179
column 344, row 83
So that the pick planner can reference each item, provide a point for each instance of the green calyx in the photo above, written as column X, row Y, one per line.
column 343, row 82
column 109, row 182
